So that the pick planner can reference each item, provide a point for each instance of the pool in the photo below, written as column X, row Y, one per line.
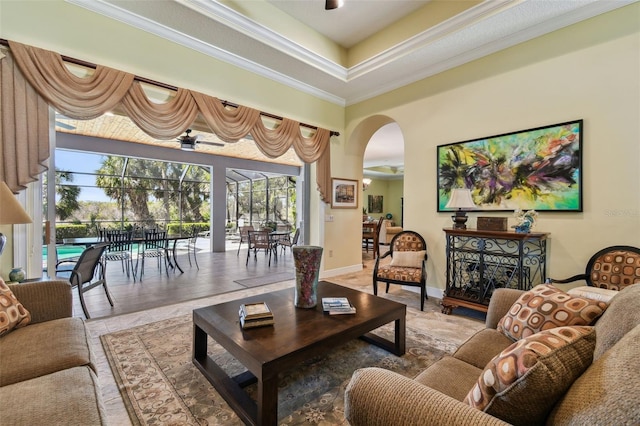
column 64, row 252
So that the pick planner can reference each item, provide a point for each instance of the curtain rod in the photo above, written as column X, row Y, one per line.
column 170, row 87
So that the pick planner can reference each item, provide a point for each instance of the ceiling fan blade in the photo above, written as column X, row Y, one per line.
column 211, row 143
column 65, row 125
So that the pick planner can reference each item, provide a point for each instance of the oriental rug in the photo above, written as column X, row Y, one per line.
column 160, row 385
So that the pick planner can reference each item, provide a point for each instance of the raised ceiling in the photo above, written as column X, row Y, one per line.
column 404, row 41
column 346, row 55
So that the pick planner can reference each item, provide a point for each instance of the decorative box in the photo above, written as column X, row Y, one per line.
column 492, row 224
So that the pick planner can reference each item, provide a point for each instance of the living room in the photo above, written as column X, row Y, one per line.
column 588, row 70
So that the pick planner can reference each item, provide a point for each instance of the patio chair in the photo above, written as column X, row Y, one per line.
column 244, row 236
column 89, row 272
column 408, row 266
column 259, row 240
column 154, row 245
column 121, row 249
column 191, row 246
column 288, row 242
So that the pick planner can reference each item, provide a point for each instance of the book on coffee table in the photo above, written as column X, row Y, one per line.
column 337, row 306
column 245, row 323
column 251, row 311
column 255, row 315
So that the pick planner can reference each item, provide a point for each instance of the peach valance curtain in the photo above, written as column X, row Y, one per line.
column 89, row 97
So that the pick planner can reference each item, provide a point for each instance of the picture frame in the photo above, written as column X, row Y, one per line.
column 344, row 193
column 374, row 204
column 534, row 169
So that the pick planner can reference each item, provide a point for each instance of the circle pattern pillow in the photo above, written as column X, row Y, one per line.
column 12, row 313
column 545, row 307
column 521, row 384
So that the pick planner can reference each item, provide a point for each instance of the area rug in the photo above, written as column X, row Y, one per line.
column 160, row 385
column 266, row 279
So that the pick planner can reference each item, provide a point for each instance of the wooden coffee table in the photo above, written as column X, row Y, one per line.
column 298, row 335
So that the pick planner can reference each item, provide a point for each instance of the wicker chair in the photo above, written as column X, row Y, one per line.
column 408, row 253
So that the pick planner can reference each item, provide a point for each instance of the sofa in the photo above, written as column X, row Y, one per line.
column 603, row 391
column 47, row 370
column 387, row 232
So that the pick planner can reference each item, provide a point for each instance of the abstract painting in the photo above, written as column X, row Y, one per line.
column 536, row 169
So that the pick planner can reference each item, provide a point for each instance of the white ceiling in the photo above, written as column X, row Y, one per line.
column 224, row 31
column 352, row 23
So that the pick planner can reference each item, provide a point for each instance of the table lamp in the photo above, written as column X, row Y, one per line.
column 11, row 212
column 461, row 200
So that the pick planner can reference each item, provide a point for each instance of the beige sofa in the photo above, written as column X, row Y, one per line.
column 387, row 232
column 47, row 371
column 605, row 393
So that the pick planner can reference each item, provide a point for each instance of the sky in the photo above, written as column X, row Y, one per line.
column 85, row 163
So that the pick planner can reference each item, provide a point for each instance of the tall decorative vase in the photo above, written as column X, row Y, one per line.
column 307, row 262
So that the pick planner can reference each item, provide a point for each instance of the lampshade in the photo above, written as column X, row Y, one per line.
column 461, row 199
column 333, row 4
column 11, row 212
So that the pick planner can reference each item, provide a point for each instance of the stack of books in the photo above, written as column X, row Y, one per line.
column 337, row 306
column 255, row 315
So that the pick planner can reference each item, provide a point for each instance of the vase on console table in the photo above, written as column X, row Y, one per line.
column 307, row 262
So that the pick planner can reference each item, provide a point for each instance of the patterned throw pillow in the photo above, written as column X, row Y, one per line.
column 408, row 259
column 544, row 307
column 523, row 383
column 12, row 313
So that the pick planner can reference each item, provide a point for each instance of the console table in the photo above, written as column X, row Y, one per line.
column 478, row 262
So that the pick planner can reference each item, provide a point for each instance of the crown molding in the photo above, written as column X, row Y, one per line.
column 487, row 28
column 137, row 21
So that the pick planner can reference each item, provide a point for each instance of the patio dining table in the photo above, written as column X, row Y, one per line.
column 172, row 261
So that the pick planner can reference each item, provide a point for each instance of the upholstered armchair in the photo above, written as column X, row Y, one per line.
column 609, row 270
column 407, row 266
column 387, row 232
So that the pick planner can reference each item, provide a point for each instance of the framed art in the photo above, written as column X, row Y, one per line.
column 374, row 204
column 344, row 193
column 535, row 169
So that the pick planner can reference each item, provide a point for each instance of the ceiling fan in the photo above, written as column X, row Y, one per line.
column 62, row 124
column 188, row 143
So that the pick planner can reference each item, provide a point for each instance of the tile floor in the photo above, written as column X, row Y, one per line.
column 449, row 330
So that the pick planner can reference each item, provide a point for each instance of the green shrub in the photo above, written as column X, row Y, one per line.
column 71, row 231
column 174, row 228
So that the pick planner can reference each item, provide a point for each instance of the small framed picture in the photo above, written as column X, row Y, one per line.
column 344, row 193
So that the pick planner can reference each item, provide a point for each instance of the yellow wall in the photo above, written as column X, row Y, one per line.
column 588, row 71
column 391, row 191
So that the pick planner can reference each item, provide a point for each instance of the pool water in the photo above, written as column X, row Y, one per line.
column 64, row 252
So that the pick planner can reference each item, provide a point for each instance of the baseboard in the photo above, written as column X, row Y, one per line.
column 340, row 271
column 433, row 292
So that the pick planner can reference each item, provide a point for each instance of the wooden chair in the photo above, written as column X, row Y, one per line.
column 612, row 268
column 244, row 236
column 259, row 240
column 371, row 235
column 408, row 265
column 89, row 272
